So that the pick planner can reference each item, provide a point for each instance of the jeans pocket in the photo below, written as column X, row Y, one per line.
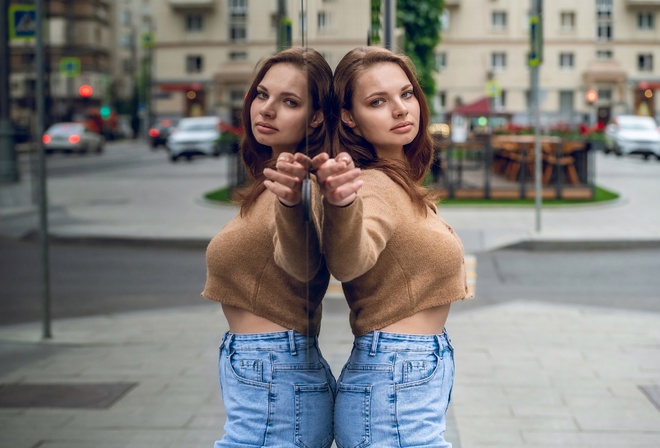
column 352, row 411
column 314, row 414
column 421, row 406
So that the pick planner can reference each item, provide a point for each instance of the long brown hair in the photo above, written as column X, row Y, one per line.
column 418, row 153
column 256, row 156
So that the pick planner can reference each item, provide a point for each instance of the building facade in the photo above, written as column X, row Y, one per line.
column 205, row 51
column 610, row 46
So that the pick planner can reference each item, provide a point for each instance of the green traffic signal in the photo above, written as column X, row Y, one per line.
column 105, row 112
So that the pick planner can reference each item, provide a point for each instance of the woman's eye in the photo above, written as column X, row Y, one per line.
column 376, row 103
column 262, row 95
column 407, row 95
column 290, row 103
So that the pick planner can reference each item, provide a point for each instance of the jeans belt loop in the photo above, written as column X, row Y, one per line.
column 374, row 343
column 292, row 343
column 228, row 341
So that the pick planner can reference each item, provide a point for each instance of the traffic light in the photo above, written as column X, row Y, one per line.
column 591, row 96
column 105, row 112
column 85, row 91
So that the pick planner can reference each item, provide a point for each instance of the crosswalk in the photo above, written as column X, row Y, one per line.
column 335, row 291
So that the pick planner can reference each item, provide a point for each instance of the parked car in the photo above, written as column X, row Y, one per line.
column 72, row 137
column 194, row 136
column 159, row 132
column 633, row 134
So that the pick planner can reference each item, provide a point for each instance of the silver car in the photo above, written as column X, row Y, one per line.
column 633, row 134
column 194, row 136
column 72, row 137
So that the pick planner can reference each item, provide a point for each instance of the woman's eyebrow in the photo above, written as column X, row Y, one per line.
column 285, row 93
column 404, row 88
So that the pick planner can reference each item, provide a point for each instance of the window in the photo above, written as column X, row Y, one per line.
column 566, row 60
column 302, row 21
column 604, row 95
column 127, row 65
column 567, row 21
column 499, row 20
column 194, row 23
column 604, row 8
column 127, row 40
column 645, row 21
column 645, row 62
column 498, row 61
column 441, row 61
column 238, row 9
column 126, row 17
column 194, row 63
column 566, row 101
column 604, row 31
column 441, row 99
column 238, row 55
column 237, row 32
column 444, row 20
column 604, row 54
column 323, row 20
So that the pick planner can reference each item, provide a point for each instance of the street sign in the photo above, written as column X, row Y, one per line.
column 22, row 22
column 148, row 39
column 493, row 89
column 70, row 67
column 535, row 41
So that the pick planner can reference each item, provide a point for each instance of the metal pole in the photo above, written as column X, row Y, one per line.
column 388, row 25
column 8, row 158
column 534, row 86
column 41, row 161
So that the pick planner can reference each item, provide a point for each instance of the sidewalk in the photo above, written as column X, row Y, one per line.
column 528, row 374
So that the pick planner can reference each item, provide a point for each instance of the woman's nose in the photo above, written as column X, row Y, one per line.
column 267, row 110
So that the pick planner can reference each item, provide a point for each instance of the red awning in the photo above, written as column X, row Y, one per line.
column 180, row 87
column 479, row 107
column 643, row 85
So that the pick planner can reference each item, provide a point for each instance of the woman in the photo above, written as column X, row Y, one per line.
column 399, row 263
column 276, row 387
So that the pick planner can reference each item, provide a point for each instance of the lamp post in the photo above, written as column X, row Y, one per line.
column 8, row 157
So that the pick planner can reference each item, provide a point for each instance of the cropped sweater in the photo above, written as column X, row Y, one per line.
column 242, row 271
column 393, row 261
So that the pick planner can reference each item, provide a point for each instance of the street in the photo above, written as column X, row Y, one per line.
column 89, row 278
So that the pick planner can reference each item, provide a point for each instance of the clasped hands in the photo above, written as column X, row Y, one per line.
column 337, row 177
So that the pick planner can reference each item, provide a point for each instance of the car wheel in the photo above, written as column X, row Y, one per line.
column 173, row 158
column 99, row 148
column 646, row 156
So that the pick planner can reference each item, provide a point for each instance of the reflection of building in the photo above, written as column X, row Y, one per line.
column 612, row 46
column 78, row 51
column 206, row 50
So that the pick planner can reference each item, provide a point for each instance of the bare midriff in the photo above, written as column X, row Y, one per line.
column 243, row 321
column 431, row 321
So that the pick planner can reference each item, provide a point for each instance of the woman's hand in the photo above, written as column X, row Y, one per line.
column 338, row 178
column 285, row 181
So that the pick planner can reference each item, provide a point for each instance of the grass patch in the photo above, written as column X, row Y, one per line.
column 220, row 195
column 601, row 195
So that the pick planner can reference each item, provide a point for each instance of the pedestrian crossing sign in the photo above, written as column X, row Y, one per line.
column 22, row 22
column 70, row 67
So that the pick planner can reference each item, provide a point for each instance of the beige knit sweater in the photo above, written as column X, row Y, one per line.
column 391, row 259
column 242, row 272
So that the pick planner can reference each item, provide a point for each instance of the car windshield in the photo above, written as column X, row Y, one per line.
column 65, row 128
column 210, row 126
column 637, row 125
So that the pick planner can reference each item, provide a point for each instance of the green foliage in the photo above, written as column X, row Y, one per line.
column 374, row 36
column 420, row 20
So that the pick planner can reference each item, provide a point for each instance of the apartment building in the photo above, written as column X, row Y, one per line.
column 79, row 48
column 610, row 46
column 205, row 51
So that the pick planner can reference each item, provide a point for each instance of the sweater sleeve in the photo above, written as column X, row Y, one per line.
column 354, row 236
column 297, row 243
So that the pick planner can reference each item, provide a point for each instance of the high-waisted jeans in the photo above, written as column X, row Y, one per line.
column 277, row 389
column 394, row 391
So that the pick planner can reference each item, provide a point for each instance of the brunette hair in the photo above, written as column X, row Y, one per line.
column 256, row 156
column 418, row 153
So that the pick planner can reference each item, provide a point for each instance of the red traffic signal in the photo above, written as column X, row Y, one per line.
column 85, row 91
column 591, row 96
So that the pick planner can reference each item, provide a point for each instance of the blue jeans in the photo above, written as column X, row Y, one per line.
column 394, row 391
column 277, row 389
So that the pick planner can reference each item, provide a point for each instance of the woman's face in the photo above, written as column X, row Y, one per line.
column 280, row 112
column 385, row 110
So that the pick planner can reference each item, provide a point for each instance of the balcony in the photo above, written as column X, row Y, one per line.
column 643, row 3
column 192, row 4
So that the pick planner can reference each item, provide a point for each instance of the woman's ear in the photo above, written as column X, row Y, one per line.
column 347, row 118
column 317, row 119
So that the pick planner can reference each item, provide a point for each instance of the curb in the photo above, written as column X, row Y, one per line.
column 581, row 245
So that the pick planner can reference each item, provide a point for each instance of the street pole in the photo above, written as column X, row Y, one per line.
column 535, row 59
column 41, row 162
column 8, row 157
column 388, row 25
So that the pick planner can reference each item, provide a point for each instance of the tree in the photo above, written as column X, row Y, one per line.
column 420, row 20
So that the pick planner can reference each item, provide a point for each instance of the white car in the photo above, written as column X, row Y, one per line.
column 194, row 136
column 72, row 137
column 633, row 134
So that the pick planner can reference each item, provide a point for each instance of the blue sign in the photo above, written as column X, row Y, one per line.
column 22, row 22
